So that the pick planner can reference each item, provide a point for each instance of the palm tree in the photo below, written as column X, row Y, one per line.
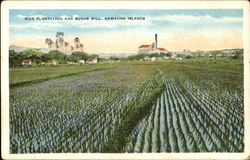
column 77, row 41
column 57, row 45
column 49, row 42
column 81, row 46
column 59, row 40
column 66, row 44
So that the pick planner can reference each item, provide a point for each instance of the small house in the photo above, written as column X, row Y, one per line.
column 149, row 59
column 178, row 58
column 166, row 57
column 26, row 62
column 54, row 62
column 81, row 61
column 91, row 60
column 152, row 59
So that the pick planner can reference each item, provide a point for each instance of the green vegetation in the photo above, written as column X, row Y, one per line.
column 200, row 110
column 76, row 56
column 57, row 56
column 35, row 55
column 141, row 56
column 193, row 105
column 38, row 58
column 19, row 76
column 140, row 110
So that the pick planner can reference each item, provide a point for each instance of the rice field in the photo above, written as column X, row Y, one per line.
column 27, row 75
column 188, row 119
column 162, row 106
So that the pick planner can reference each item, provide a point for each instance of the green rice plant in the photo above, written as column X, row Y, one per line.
column 162, row 106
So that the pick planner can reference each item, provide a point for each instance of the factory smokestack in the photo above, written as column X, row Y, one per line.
column 156, row 41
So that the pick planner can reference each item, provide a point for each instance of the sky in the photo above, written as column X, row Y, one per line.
column 177, row 29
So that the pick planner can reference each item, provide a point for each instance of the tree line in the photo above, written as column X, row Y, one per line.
column 141, row 56
column 38, row 57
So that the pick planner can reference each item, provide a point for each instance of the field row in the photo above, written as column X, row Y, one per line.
column 76, row 114
column 132, row 107
column 187, row 119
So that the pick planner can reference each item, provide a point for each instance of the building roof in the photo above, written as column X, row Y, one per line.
column 91, row 59
column 162, row 49
column 26, row 60
column 144, row 46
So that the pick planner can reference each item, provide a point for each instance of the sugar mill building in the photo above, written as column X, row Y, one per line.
column 153, row 48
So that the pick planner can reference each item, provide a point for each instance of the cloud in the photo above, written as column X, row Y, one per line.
column 32, row 16
column 36, row 25
column 20, row 16
column 65, row 16
column 230, row 19
column 190, row 18
column 151, row 20
column 109, row 24
column 174, row 18
column 100, row 23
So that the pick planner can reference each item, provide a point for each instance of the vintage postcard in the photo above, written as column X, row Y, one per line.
column 125, row 80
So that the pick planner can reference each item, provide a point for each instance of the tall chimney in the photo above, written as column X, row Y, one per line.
column 156, row 41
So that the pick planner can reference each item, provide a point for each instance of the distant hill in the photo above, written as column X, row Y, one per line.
column 17, row 48
column 119, row 55
column 231, row 50
column 226, row 51
column 43, row 50
column 20, row 49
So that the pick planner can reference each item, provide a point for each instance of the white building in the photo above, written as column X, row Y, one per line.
column 159, row 50
column 144, row 49
column 152, row 59
column 26, row 62
column 54, row 62
column 91, row 60
column 147, row 49
column 166, row 57
column 146, row 58
column 81, row 61
column 178, row 58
